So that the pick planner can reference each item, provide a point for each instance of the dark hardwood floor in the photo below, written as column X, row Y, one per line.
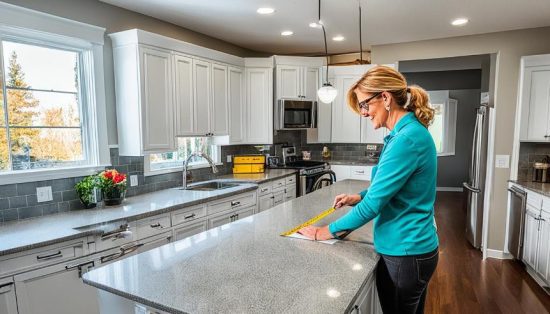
column 464, row 283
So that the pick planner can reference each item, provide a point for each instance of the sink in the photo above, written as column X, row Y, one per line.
column 210, row 186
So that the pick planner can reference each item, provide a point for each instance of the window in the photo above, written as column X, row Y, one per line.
column 173, row 161
column 443, row 128
column 41, row 112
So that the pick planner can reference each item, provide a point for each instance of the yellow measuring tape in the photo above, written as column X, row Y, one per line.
column 310, row 222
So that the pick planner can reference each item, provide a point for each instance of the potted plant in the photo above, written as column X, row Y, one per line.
column 86, row 191
column 113, row 186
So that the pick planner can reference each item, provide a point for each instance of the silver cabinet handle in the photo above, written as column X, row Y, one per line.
column 546, row 136
column 157, row 225
column 360, row 172
column 189, row 216
column 122, row 232
column 130, row 249
column 263, row 190
column 6, row 287
column 49, row 256
column 90, row 264
column 235, row 203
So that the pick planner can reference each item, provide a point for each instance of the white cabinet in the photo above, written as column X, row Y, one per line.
column 360, row 172
column 219, row 115
column 202, row 96
column 543, row 249
column 190, row 229
column 342, row 172
column 346, row 124
column 265, row 202
column 144, row 99
column 230, row 216
column 259, row 105
column 297, row 82
column 290, row 192
column 369, row 135
column 55, row 289
column 535, row 99
column 276, row 192
column 237, row 112
column 183, row 96
column 536, row 244
column 8, row 301
column 530, row 237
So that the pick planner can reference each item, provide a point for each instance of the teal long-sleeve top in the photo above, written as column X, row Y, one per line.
column 401, row 196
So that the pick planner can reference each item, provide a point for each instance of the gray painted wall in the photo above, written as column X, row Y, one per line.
column 115, row 19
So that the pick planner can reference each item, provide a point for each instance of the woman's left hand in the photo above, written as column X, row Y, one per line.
column 316, row 233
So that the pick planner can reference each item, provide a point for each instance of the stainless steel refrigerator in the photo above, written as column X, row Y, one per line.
column 475, row 187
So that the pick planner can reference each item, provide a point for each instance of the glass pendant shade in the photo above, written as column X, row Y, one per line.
column 327, row 93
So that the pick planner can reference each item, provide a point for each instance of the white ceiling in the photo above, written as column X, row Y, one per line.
column 384, row 21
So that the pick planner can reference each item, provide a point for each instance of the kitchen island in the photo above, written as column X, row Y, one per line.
column 247, row 267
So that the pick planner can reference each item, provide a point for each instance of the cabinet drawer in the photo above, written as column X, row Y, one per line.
column 190, row 229
column 42, row 257
column 188, row 214
column 234, row 202
column 278, row 183
column 264, row 189
column 123, row 235
column 290, row 192
column 290, row 180
column 546, row 204
column 534, row 199
column 278, row 196
column 153, row 225
column 360, row 172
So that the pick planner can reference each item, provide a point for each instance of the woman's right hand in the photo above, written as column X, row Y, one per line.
column 346, row 199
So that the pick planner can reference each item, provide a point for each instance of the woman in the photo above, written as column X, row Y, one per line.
column 401, row 196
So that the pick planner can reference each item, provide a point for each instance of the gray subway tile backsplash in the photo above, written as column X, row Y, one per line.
column 529, row 153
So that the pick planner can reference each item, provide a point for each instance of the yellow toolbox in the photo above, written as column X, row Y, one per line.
column 249, row 164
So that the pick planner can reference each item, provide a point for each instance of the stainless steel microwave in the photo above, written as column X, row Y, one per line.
column 295, row 114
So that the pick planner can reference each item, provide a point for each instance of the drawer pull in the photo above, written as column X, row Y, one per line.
column 49, row 256
column 360, row 172
column 264, row 190
column 6, row 287
column 189, row 216
column 157, row 225
column 235, row 203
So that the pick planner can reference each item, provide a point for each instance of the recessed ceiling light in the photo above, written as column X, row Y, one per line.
column 460, row 21
column 265, row 10
column 338, row 38
column 314, row 25
column 287, row 33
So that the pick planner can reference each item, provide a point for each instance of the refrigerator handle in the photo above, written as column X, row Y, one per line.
column 471, row 188
column 474, row 141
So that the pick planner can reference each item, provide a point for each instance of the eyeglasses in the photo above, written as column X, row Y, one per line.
column 365, row 103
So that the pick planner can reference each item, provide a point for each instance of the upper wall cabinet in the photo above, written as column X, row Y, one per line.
column 237, row 106
column 259, row 105
column 166, row 92
column 297, row 77
column 535, row 99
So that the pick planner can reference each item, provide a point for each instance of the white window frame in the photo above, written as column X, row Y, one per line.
column 148, row 172
column 449, row 121
column 33, row 27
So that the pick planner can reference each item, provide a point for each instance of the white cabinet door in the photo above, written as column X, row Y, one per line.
column 243, row 213
column 185, row 112
column 259, row 105
column 237, row 121
column 190, row 229
column 265, row 202
column 289, row 82
column 154, row 242
column 8, row 301
column 278, row 196
column 220, row 108
column 543, row 248
column 537, row 85
column 221, row 219
column 369, row 135
column 56, row 290
column 157, row 106
column 346, row 124
column 290, row 192
column 202, row 96
column 530, row 238
column 310, row 83
column 342, row 172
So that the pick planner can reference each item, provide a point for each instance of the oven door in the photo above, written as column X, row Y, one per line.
column 296, row 114
column 307, row 182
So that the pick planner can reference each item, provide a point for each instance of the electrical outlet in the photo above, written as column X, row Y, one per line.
column 133, row 180
column 44, row 194
column 371, row 147
column 228, row 158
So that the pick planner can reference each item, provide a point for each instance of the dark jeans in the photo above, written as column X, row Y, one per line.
column 402, row 281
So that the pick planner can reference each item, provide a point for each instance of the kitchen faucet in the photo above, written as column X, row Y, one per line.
column 197, row 154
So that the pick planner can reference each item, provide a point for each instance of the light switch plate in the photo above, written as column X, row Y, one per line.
column 228, row 158
column 502, row 161
column 44, row 194
column 133, row 180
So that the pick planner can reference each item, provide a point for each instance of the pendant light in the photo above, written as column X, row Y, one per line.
column 327, row 93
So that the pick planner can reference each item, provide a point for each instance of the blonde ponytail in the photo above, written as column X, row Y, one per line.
column 419, row 104
column 385, row 79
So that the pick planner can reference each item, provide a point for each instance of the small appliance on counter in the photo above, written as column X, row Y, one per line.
column 540, row 171
column 249, row 164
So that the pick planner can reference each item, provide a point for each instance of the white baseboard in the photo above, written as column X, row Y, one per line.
column 449, row 189
column 499, row 254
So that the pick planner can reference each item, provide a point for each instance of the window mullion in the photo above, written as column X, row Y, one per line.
column 5, row 103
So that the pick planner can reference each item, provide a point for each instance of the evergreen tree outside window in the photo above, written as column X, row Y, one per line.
column 41, row 121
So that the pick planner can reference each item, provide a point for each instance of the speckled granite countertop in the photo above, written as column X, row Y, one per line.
column 541, row 188
column 268, row 175
column 31, row 233
column 353, row 162
column 246, row 266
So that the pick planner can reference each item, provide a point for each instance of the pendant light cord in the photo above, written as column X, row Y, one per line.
column 325, row 38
